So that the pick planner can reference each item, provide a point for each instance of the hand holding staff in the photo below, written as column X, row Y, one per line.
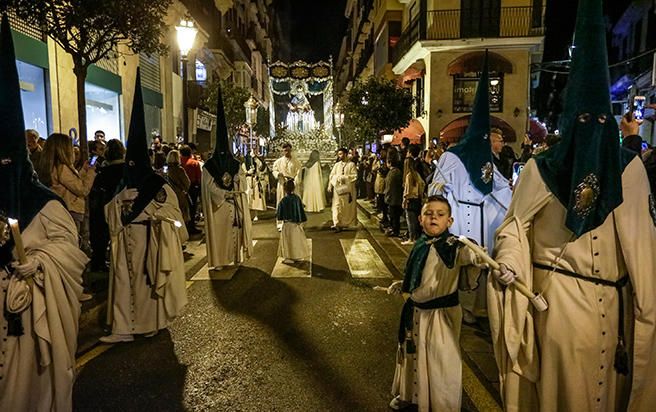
column 536, row 299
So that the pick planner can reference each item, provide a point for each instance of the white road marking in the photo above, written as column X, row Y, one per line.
column 294, row 270
column 363, row 260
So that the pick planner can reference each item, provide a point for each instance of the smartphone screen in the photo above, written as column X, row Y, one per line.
column 93, row 161
column 517, row 169
column 639, row 107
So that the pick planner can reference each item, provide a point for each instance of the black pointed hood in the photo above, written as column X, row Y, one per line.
column 138, row 173
column 22, row 195
column 584, row 170
column 474, row 148
column 222, row 165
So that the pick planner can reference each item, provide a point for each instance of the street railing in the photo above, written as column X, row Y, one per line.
column 471, row 23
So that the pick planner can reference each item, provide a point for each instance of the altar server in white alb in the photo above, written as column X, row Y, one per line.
column 147, row 277
column 293, row 243
column 342, row 185
column 285, row 168
column 313, row 193
column 225, row 203
column 580, row 232
column 39, row 296
column 257, row 183
column 478, row 193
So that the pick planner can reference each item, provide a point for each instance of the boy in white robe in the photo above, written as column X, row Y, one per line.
column 39, row 297
column 293, row 243
column 429, row 366
column 147, row 277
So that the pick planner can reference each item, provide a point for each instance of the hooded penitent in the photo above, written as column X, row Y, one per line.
column 22, row 195
column 474, row 148
column 222, row 165
column 584, row 170
column 138, row 173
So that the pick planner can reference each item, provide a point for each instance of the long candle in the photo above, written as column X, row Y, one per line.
column 494, row 265
column 18, row 241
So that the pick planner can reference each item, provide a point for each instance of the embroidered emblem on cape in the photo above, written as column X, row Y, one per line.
column 226, row 179
column 131, row 163
column 160, row 197
column 487, row 171
column 4, row 229
column 126, row 207
column 5, row 162
column 652, row 207
column 585, row 195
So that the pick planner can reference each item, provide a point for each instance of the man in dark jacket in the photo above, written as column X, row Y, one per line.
column 394, row 193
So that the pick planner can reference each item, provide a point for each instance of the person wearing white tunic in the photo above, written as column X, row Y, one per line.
column 478, row 193
column 342, row 184
column 429, row 365
column 256, row 186
column 314, row 197
column 147, row 276
column 285, row 168
column 581, row 231
column 39, row 298
column 293, row 243
column 225, row 203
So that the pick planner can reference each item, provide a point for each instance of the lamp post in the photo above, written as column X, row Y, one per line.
column 186, row 35
column 339, row 122
column 251, row 106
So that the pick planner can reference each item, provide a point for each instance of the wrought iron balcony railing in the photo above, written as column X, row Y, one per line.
column 471, row 23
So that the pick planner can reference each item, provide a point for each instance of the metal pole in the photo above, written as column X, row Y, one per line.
column 185, row 118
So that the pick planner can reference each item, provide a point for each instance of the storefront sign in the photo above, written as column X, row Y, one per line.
column 205, row 120
column 464, row 91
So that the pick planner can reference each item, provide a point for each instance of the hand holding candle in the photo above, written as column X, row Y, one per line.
column 18, row 241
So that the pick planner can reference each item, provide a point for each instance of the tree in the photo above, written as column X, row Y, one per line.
column 373, row 107
column 234, row 98
column 91, row 30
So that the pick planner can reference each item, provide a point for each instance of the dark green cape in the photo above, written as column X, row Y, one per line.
column 474, row 148
column 291, row 209
column 584, row 170
column 417, row 259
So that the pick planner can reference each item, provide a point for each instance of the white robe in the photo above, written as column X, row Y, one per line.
column 38, row 368
column 562, row 359
column 451, row 180
column 256, row 187
column 314, row 197
column 431, row 378
column 282, row 168
column 345, row 207
column 227, row 221
column 293, row 243
column 143, row 301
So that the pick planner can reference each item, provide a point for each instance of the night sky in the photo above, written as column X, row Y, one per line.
column 313, row 29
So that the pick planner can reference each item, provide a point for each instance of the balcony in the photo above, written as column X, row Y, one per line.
column 501, row 22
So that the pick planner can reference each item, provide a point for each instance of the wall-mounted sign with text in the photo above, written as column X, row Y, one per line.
column 464, row 91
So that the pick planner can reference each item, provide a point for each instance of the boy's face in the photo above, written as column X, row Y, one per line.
column 435, row 218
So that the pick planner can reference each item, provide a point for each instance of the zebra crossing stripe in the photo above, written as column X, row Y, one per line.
column 301, row 269
column 363, row 260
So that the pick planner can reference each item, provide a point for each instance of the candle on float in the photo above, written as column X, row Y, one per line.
column 18, row 240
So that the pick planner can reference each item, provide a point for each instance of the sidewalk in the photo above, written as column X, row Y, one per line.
column 475, row 341
column 92, row 319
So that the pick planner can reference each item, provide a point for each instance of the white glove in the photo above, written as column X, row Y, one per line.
column 27, row 270
column 128, row 194
column 395, row 288
column 504, row 275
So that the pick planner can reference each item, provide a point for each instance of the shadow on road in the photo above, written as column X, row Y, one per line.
column 141, row 376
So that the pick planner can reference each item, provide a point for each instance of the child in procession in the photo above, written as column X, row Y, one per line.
column 293, row 243
column 429, row 371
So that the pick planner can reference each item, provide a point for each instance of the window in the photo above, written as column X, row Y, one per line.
column 464, row 91
column 419, row 97
column 103, row 112
column 33, row 97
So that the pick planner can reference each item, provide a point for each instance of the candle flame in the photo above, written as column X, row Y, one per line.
column 12, row 221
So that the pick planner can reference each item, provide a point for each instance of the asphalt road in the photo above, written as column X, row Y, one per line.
column 257, row 343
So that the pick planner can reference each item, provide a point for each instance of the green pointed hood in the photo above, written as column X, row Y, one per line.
column 584, row 170
column 22, row 195
column 474, row 148
column 222, row 165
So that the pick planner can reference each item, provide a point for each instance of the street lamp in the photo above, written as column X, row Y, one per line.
column 186, row 35
column 339, row 122
column 251, row 106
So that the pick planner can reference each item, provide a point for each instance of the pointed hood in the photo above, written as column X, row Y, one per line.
column 138, row 172
column 22, row 196
column 584, row 170
column 222, row 165
column 474, row 148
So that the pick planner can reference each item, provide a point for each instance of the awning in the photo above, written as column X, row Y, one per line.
column 473, row 63
column 415, row 132
column 453, row 131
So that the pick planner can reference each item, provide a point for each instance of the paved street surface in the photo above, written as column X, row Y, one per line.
column 310, row 338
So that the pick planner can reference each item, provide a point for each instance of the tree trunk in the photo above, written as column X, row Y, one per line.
column 81, row 75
